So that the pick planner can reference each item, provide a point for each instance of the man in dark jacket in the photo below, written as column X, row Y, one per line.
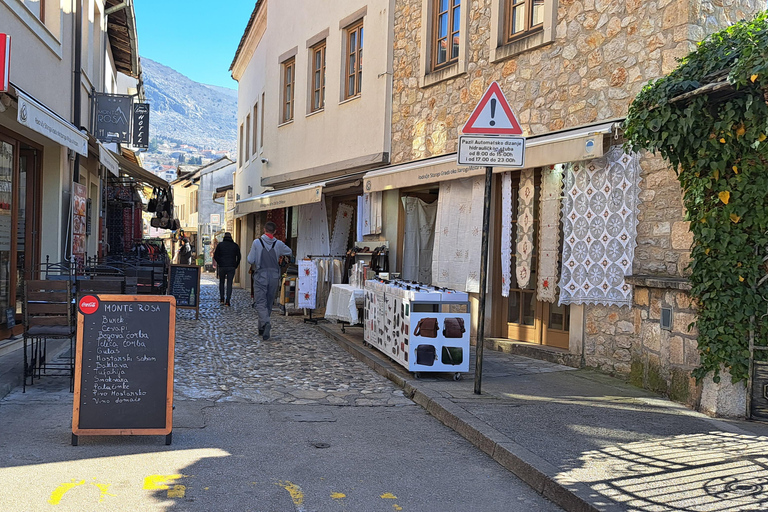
column 227, row 257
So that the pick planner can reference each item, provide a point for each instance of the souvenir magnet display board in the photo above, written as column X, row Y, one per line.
column 184, row 284
column 124, row 365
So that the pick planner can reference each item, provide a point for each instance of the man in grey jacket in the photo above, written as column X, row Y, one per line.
column 264, row 255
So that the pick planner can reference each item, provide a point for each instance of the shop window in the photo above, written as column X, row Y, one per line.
column 289, row 79
column 354, row 60
column 318, row 77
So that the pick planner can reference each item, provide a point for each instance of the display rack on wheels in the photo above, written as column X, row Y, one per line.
column 421, row 327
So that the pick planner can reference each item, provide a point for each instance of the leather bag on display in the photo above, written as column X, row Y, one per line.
column 453, row 328
column 427, row 328
column 426, row 355
column 452, row 355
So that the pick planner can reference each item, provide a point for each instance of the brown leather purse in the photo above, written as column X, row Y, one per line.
column 427, row 328
column 453, row 328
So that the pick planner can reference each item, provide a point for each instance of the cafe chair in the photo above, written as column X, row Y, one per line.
column 48, row 315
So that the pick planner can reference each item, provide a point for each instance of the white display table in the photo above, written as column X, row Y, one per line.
column 343, row 302
column 409, row 323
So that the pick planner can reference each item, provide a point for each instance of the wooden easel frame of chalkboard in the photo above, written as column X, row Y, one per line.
column 76, row 411
column 171, row 274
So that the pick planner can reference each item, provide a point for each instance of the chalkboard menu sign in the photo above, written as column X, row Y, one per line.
column 185, row 286
column 124, row 365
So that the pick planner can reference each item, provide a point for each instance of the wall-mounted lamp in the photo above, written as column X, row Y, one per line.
column 264, row 160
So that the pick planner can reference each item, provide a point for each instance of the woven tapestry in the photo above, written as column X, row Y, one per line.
column 458, row 234
column 600, row 229
column 506, row 233
column 549, row 232
column 524, row 251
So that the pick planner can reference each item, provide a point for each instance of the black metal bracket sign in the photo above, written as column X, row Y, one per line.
column 124, row 366
column 141, row 125
column 112, row 115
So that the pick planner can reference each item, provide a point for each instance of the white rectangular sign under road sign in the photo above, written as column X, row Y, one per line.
column 492, row 151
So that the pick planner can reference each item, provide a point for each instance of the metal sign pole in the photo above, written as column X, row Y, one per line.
column 483, row 281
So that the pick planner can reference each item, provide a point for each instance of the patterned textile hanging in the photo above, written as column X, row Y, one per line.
column 340, row 238
column 524, row 251
column 418, row 239
column 549, row 232
column 458, row 234
column 278, row 217
column 600, row 229
column 506, row 233
column 313, row 230
column 306, row 285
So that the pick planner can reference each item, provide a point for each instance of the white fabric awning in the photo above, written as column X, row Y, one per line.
column 565, row 146
column 36, row 116
column 294, row 196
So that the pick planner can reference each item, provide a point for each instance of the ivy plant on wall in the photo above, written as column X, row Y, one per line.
column 709, row 119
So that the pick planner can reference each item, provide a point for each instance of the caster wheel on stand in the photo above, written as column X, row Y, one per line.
column 417, row 375
column 457, row 376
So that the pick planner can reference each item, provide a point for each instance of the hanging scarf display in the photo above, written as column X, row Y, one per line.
column 524, row 251
column 600, row 229
column 506, row 233
column 549, row 232
column 340, row 238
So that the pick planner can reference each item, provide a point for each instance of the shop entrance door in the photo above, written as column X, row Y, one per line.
column 529, row 319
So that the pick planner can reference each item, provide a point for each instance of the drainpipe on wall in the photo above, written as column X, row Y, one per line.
column 78, row 77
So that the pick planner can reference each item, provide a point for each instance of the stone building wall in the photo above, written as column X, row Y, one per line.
column 603, row 53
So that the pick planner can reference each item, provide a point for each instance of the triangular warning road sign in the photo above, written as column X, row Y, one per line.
column 492, row 115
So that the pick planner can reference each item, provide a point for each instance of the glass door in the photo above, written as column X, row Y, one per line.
column 529, row 319
column 8, row 158
column 27, row 222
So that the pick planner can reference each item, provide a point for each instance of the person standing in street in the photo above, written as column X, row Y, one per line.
column 227, row 257
column 185, row 253
column 265, row 256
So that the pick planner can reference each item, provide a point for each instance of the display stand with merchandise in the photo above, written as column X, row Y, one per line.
column 421, row 327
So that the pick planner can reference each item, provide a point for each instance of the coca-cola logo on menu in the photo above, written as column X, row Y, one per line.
column 88, row 304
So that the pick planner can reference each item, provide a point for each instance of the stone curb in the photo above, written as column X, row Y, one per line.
column 527, row 466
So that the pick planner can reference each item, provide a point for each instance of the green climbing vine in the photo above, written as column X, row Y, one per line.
column 717, row 144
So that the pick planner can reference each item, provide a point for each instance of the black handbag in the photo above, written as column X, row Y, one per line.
column 426, row 355
column 427, row 328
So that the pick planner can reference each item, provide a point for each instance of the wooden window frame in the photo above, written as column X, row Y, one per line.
column 315, row 89
column 247, row 137
column 289, row 89
column 529, row 27
column 357, row 72
column 449, row 37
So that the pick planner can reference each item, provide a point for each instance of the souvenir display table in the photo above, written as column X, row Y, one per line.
column 421, row 327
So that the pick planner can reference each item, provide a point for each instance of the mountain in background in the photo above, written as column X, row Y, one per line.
column 187, row 112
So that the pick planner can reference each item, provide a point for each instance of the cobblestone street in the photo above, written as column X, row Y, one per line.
column 220, row 357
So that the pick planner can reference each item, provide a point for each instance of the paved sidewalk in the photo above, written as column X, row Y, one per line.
column 588, row 441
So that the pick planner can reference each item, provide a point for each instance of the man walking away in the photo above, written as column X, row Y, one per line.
column 227, row 257
column 264, row 256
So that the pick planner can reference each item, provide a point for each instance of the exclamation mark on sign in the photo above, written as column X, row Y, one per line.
column 493, row 111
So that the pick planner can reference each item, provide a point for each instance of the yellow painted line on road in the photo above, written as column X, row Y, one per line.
column 178, row 491
column 103, row 488
column 62, row 489
column 338, row 495
column 297, row 495
column 397, row 507
column 160, row 482
column 388, row 496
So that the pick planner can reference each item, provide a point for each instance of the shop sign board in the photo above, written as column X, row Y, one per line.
column 112, row 121
column 492, row 151
column 5, row 62
column 36, row 117
column 141, row 125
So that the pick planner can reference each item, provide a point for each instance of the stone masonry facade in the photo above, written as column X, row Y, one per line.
column 602, row 54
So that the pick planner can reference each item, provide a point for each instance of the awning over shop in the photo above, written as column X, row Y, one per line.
column 130, row 166
column 108, row 160
column 36, row 116
column 295, row 196
column 553, row 148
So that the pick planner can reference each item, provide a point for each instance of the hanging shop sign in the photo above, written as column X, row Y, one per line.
column 494, row 130
column 141, row 125
column 108, row 161
column 5, row 62
column 112, row 112
column 35, row 116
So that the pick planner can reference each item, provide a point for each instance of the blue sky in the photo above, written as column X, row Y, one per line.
column 197, row 38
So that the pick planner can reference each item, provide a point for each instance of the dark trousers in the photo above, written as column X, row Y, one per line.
column 265, row 286
column 226, row 274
